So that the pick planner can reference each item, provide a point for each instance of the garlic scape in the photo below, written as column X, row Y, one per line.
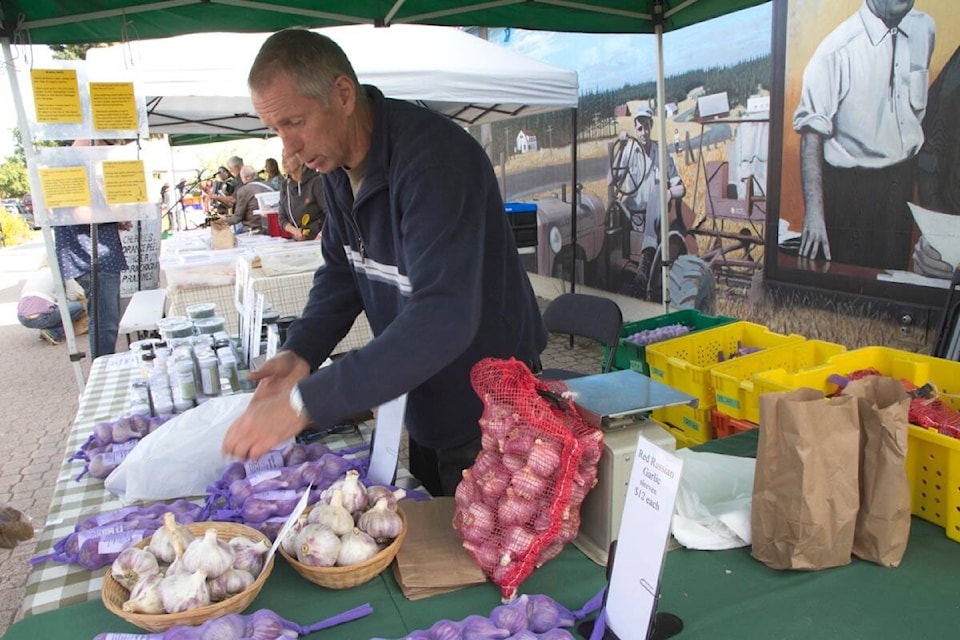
column 170, row 540
column 208, row 554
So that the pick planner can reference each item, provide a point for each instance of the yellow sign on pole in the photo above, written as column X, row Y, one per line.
column 113, row 106
column 65, row 187
column 124, row 181
column 56, row 95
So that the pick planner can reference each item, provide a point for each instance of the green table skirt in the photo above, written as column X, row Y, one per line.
column 717, row 594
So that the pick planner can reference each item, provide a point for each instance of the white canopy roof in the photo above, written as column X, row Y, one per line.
column 196, row 83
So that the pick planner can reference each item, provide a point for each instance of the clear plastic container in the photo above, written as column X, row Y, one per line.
column 186, row 383
column 202, row 310
column 209, row 326
column 209, row 373
column 178, row 329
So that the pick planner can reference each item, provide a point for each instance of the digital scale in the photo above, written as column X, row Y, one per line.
column 617, row 403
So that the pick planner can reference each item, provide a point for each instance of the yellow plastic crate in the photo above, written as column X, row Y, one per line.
column 692, row 424
column 902, row 365
column 683, row 440
column 733, row 382
column 933, row 466
column 684, row 363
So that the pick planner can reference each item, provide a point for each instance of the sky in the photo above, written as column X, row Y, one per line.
column 608, row 61
column 602, row 61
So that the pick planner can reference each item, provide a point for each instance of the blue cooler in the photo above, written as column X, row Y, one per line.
column 523, row 221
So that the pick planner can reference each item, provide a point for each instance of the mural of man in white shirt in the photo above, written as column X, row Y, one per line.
column 862, row 103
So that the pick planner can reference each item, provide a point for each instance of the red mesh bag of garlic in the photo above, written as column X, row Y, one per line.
column 519, row 503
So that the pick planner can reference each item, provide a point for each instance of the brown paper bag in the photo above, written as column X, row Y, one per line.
column 805, row 491
column 883, row 524
column 222, row 234
column 81, row 324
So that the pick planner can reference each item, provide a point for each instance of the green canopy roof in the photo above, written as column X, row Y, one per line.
column 73, row 22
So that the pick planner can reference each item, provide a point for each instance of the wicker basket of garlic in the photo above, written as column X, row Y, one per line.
column 187, row 574
column 349, row 537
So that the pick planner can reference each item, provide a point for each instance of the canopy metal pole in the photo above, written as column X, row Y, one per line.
column 27, row 141
column 662, row 160
column 574, row 206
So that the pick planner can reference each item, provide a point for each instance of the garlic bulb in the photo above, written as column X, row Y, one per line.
column 145, row 596
column 248, row 555
column 184, row 591
column 354, row 493
column 333, row 516
column 229, row 583
column 317, row 546
column 290, row 542
column 377, row 491
column 170, row 540
column 356, row 547
column 132, row 565
column 208, row 554
column 381, row 522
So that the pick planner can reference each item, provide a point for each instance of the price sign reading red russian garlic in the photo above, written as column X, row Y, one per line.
column 642, row 542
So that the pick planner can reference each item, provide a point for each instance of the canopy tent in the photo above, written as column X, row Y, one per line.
column 65, row 22
column 196, row 83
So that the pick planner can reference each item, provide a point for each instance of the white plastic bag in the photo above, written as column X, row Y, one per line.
column 713, row 502
column 182, row 458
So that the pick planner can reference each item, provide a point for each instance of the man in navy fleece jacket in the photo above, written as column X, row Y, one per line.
column 416, row 237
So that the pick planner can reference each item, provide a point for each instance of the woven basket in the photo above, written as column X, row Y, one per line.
column 114, row 595
column 355, row 574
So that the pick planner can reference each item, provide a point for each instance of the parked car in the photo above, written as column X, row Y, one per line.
column 15, row 207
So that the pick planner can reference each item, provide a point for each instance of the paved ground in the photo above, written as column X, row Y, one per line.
column 38, row 396
column 38, row 401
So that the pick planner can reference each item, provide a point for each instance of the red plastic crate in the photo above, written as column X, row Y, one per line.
column 724, row 425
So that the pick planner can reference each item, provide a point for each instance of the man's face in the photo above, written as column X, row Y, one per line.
column 890, row 11
column 642, row 127
column 314, row 133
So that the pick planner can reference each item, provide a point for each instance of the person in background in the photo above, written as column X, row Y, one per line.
column 74, row 246
column 272, row 171
column 415, row 237
column 245, row 217
column 221, row 199
column 641, row 188
column 302, row 209
column 37, row 307
column 859, row 119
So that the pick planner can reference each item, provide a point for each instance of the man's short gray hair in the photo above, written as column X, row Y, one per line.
column 313, row 61
column 247, row 173
column 234, row 162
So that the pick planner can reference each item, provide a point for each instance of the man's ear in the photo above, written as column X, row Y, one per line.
column 344, row 94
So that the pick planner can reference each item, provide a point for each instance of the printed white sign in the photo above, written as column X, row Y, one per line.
column 642, row 542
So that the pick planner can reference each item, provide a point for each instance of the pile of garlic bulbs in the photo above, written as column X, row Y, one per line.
column 178, row 571
column 350, row 524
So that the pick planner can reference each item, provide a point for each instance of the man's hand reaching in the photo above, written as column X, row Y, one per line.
column 269, row 419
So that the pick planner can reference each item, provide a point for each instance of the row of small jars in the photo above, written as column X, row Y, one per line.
column 173, row 379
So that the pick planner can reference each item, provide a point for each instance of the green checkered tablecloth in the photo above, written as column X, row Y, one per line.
column 52, row 585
